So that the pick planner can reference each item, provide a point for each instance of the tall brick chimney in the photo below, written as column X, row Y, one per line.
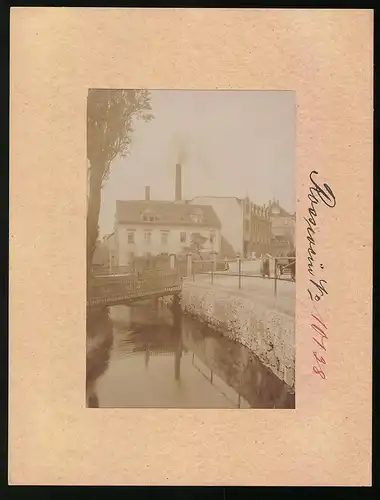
column 178, row 182
column 147, row 193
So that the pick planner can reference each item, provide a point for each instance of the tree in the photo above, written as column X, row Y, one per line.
column 111, row 115
column 197, row 242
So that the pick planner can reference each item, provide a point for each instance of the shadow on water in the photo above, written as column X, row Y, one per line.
column 237, row 366
column 151, row 356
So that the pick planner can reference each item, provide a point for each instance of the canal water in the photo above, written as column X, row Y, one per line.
column 141, row 356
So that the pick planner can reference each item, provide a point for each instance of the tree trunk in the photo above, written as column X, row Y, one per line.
column 93, row 210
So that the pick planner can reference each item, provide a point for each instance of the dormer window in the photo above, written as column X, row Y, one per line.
column 149, row 216
column 196, row 218
column 196, row 215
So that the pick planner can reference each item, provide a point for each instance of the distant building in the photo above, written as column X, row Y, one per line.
column 283, row 228
column 234, row 215
column 261, row 230
column 283, row 222
column 150, row 228
column 245, row 226
column 109, row 241
column 100, row 257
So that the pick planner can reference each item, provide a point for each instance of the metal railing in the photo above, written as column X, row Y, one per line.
column 125, row 270
column 126, row 278
column 111, row 288
column 111, row 270
column 278, row 268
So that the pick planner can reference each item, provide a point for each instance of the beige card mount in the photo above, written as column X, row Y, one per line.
column 191, row 247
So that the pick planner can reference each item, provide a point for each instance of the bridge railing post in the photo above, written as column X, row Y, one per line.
column 275, row 276
column 213, row 266
column 239, row 268
column 188, row 265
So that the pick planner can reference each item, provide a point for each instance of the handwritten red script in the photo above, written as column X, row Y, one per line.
column 317, row 288
column 320, row 328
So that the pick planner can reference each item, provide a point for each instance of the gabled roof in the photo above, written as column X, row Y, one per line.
column 165, row 213
column 238, row 200
column 281, row 211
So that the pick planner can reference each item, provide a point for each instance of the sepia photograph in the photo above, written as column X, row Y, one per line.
column 191, row 255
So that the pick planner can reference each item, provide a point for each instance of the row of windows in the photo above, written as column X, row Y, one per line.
column 164, row 237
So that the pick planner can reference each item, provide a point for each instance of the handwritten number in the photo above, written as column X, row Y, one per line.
column 319, row 321
column 320, row 372
column 319, row 360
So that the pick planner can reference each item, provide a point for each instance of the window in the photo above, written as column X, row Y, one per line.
column 197, row 218
column 131, row 237
column 149, row 216
column 183, row 237
column 148, row 237
column 212, row 237
column 164, row 237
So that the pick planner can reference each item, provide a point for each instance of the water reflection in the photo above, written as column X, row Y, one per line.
column 237, row 366
column 98, row 351
column 147, row 356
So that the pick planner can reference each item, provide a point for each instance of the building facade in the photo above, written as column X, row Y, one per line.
column 283, row 223
column 261, row 230
column 149, row 228
column 246, row 227
column 235, row 226
column 283, row 228
column 109, row 242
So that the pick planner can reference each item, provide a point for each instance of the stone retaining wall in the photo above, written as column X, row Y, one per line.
column 269, row 333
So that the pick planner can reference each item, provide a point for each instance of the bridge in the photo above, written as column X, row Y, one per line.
column 123, row 285
column 108, row 290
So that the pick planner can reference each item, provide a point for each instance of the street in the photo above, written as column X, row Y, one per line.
column 257, row 288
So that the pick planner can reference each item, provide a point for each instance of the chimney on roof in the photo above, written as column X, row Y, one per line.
column 147, row 193
column 178, row 182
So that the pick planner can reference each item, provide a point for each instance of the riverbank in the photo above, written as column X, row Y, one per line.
column 260, row 322
column 140, row 356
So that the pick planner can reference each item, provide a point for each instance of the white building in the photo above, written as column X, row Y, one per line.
column 150, row 227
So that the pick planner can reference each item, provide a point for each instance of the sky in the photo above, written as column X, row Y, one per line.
column 232, row 143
